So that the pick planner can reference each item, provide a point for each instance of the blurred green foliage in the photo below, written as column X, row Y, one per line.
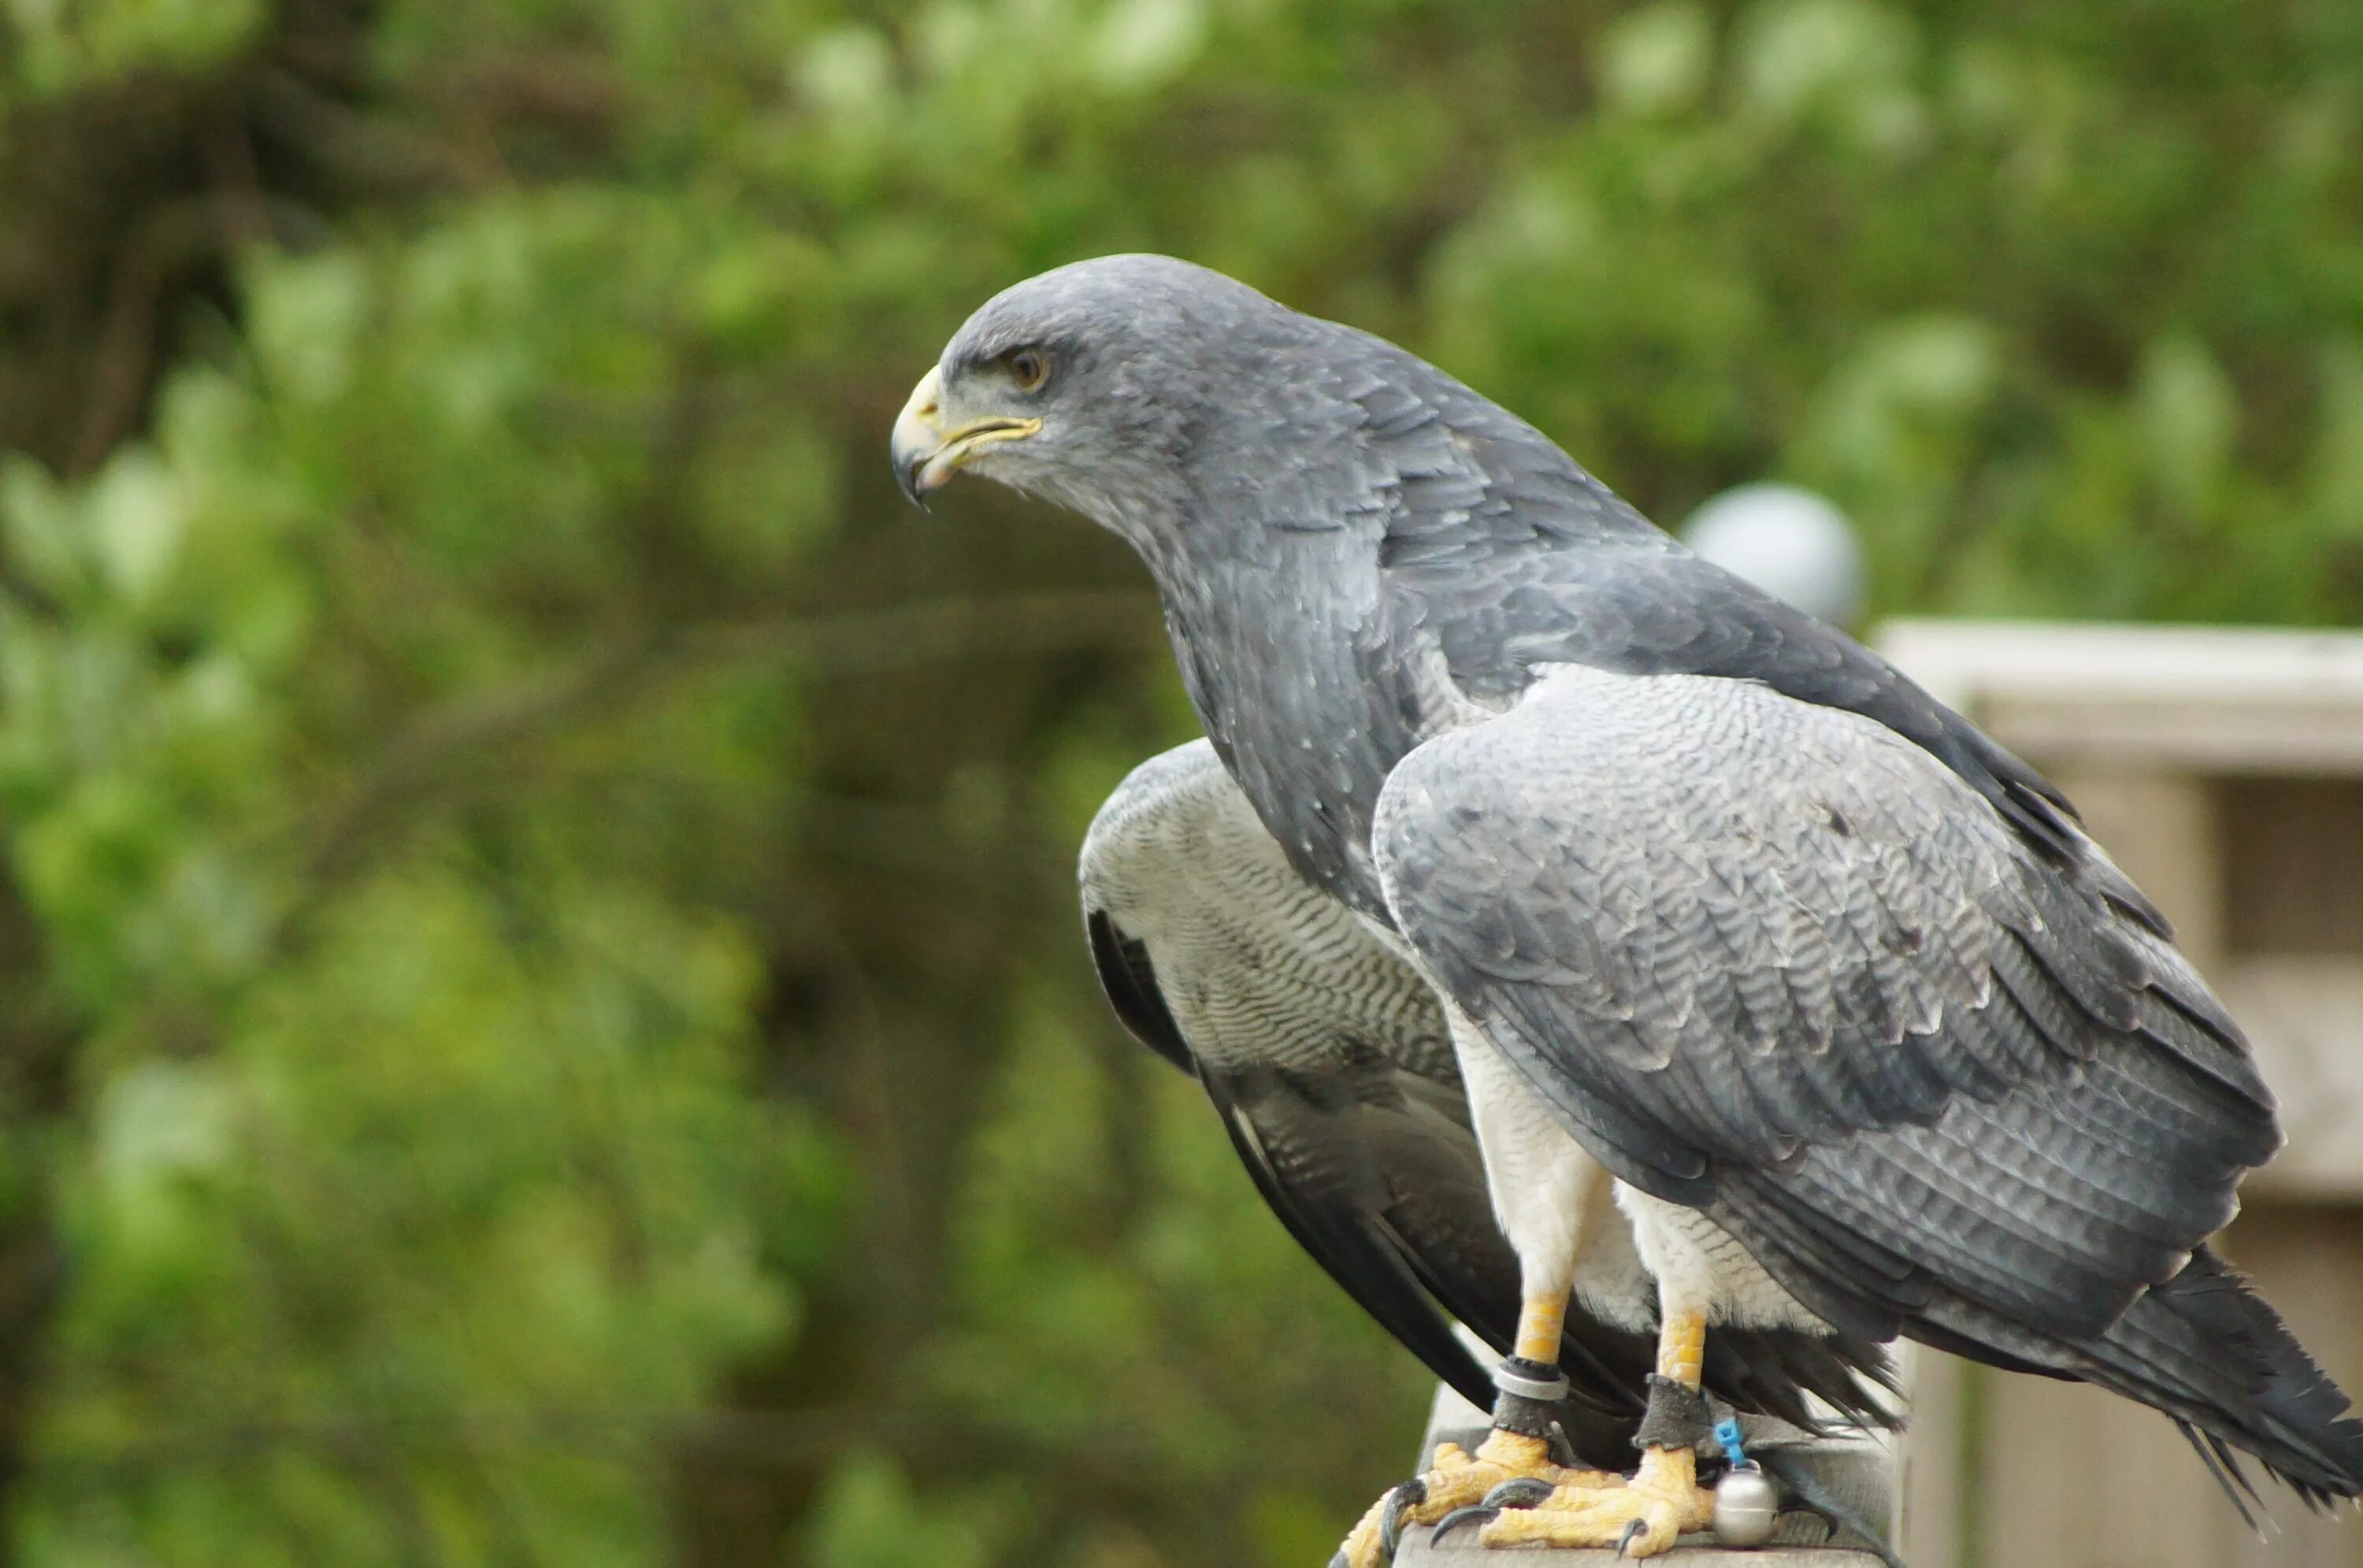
column 545, row 1020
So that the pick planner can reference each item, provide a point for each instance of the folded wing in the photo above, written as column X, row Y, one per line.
column 1775, row 961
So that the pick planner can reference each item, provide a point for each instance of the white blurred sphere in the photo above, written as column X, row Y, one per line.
column 1786, row 541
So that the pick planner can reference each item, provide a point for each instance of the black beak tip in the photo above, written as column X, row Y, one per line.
column 906, row 478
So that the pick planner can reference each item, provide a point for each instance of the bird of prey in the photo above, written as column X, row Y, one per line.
column 1831, row 996
column 1328, row 1060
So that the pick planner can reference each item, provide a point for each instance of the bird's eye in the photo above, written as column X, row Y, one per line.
column 1028, row 368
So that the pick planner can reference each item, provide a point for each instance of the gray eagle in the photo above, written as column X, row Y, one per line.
column 1783, row 998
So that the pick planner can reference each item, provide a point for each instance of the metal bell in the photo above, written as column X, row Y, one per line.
column 1745, row 1507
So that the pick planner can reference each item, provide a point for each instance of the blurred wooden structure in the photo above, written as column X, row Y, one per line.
column 2223, row 769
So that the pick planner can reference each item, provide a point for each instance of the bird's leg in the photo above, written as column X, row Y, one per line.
column 1514, row 1463
column 1642, row 1516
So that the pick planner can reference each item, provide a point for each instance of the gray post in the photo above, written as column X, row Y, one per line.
column 1859, row 1470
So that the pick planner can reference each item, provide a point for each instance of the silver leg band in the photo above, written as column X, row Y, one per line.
column 1531, row 1380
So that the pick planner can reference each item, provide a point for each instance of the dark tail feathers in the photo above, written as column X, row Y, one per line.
column 2206, row 1349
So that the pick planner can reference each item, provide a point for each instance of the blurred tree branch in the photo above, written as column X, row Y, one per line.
column 37, row 1046
column 444, row 745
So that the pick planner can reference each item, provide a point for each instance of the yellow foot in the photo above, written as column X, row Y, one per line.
column 1640, row 1517
column 1462, row 1480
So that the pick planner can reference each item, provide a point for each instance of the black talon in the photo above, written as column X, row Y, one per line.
column 1632, row 1531
column 1519, row 1492
column 1459, row 1517
column 1814, row 1496
column 1410, row 1495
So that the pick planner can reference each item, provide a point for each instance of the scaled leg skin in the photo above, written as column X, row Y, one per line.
column 1642, row 1516
column 1511, row 1466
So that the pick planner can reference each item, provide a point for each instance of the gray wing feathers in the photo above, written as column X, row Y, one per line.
column 1268, row 966
column 1328, row 1056
column 1217, row 957
column 1772, row 959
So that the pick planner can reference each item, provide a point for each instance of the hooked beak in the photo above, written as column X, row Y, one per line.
column 926, row 454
